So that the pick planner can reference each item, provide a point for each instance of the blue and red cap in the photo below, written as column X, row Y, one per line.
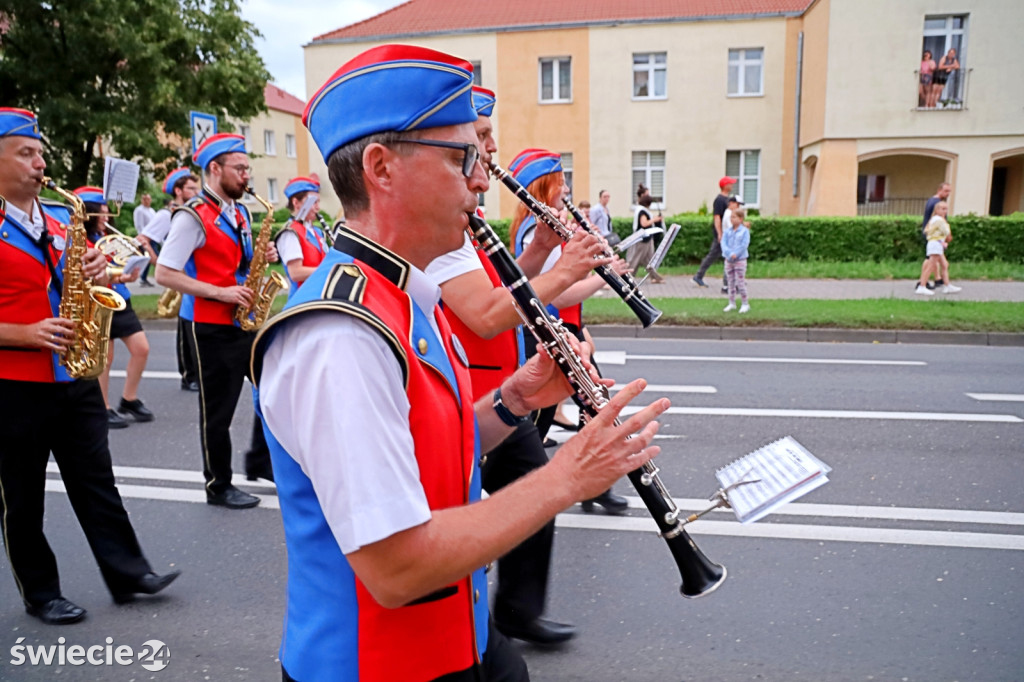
column 483, row 100
column 173, row 177
column 390, row 88
column 18, row 122
column 91, row 194
column 221, row 143
column 531, row 164
column 301, row 184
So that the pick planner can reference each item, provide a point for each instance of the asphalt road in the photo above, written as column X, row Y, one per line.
column 906, row 566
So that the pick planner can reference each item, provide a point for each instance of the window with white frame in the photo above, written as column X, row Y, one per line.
column 272, row 190
column 246, row 132
column 478, row 78
column 745, row 166
column 746, row 72
column 289, row 146
column 269, row 143
column 555, row 81
column 649, row 75
column 649, row 170
column 567, row 168
column 945, row 38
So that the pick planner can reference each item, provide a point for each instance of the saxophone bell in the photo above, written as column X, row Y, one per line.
column 264, row 282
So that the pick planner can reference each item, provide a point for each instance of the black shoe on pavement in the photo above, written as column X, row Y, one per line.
column 145, row 283
column 725, row 290
column 57, row 611
column 115, row 421
column 151, row 583
column 233, row 498
column 265, row 473
column 136, row 409
column 699, row 282
column 539, row 631
column 609, row 501
column 550, row 442
column 190, row 386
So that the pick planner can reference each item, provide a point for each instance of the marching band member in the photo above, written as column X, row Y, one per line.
column 482, row 315
column 47, row 410
column 378, row 482
column 301, row 245
column 180, row 185
column 206, row 257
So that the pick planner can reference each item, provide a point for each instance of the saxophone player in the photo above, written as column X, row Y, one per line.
column 47, row 410
column 206, row 257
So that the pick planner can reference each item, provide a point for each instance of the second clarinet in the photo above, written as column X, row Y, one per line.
column 624, row 286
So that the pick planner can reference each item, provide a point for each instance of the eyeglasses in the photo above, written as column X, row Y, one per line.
column 240, row 168
column 470, row 153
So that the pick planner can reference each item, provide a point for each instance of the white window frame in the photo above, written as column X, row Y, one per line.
column 648, row 170
column 272, row 190
column 557, row 64
column 740, row 62
column 269, row 143
column 947, row 32
column 289, row 146
column 741, row 176
column 651, row 67
column 246, row 132
column 478, row 78
column 567, row 168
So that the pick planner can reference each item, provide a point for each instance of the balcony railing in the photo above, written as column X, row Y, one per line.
column 893, row 206
column 953, row 96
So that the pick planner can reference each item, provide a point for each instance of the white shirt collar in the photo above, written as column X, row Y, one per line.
column 33, row 223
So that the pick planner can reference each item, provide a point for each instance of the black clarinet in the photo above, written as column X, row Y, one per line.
column 624, row 285
column 700, row 575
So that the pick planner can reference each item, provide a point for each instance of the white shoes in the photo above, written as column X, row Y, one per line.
column 729, row 308
column 744, row 308
column 950, row 289
column 923, row 291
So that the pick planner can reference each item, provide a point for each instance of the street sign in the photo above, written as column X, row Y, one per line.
column 204, row 126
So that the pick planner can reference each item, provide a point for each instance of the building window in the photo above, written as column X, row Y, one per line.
column 567, row 169
column 745, row 166
column 246, row 132
column 649, row 75
column 649, row 170
column 478, row 78
column 269, row 144
column 555, row 82
column 272, row 190
column 746, row 72
column 870, row 188
column 289, row 146
column 943, row 53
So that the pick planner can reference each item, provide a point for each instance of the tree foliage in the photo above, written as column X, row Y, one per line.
column 124, row 72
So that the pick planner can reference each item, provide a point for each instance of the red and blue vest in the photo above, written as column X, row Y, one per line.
column 334, row 629
column 223, row 259
column 574, row 313
column 314, row 248
column 28, row 294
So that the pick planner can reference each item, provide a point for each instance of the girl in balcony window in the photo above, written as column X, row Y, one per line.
column 924, row 89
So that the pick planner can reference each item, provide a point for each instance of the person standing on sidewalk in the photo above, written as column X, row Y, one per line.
column 941, row 194
column 735, row 241
column 939, row 236
column 142, row 216
column 725, row 186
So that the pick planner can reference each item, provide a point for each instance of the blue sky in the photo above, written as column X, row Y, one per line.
column 287, row 27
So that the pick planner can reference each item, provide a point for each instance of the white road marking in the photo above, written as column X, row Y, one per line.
column 148, row 374
column 798, row 361
column 146, row 492
column 172, row 475
column 672, row 388
column 836, row 414
column 998, row 397
column 610, row 357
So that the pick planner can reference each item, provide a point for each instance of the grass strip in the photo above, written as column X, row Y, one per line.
column 878, row 270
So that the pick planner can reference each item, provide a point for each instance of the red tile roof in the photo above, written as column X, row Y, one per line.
column 278, row 99
column 417, row 17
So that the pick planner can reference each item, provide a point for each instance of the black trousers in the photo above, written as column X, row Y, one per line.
column 502, row 663
column 523, row 572
column 69, row 420
column 222, row 353
column 186, row 351
column 714, row 254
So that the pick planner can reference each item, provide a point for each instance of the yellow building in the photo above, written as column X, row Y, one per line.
column 812, row 104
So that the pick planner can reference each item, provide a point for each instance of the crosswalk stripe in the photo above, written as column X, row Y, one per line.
column 997, row 397
column 671, row 388
column 797, row 361
column 836, row 414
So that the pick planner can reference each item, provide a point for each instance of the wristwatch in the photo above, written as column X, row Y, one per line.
column 505, row 414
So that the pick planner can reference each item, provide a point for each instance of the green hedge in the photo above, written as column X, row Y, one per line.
column 873, row 238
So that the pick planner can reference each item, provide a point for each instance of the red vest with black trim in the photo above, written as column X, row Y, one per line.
column 26, row 297
column 219, row 260
column 334, row 629
column 493, row 360
column 313, row 247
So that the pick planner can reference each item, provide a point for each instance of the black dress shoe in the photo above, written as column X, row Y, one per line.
column 136, row 409
column 190, row 386
column 565, row 425
column 115, row 421
column 549, row 442
column 233, row 498
column 265, row 473
column 57, row 611
column 612, row 503
column 151, row 583
column 539, row 631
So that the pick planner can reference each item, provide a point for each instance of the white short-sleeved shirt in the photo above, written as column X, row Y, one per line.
column 454, row 263
column 553, row 256
column 288, row 246
column 352, row 440
column 157, row 228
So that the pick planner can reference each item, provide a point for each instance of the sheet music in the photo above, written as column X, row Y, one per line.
column 307, row 206
column 120, row 180
column 784, row 470
column 136, row 264
column 663, row 247
column 637, row 236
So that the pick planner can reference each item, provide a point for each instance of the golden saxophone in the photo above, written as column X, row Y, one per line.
column 89, row 307
column 264, row 286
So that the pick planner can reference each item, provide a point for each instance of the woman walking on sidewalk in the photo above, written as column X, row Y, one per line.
column 735, row 240
column 939, row 236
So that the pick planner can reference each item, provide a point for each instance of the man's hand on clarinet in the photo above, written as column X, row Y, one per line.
column 582, row 254
column 540, row 383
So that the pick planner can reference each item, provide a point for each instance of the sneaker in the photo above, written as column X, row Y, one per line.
column 136, row 409
column 115, row 421
column 699, row 282
column 929, row 285
column 729, row 308
column 951, row 289
column 744, row 308
column 923, row 291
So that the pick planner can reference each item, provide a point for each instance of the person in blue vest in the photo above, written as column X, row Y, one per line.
column 301, row 245
column 367, row 403
column 47, row 411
